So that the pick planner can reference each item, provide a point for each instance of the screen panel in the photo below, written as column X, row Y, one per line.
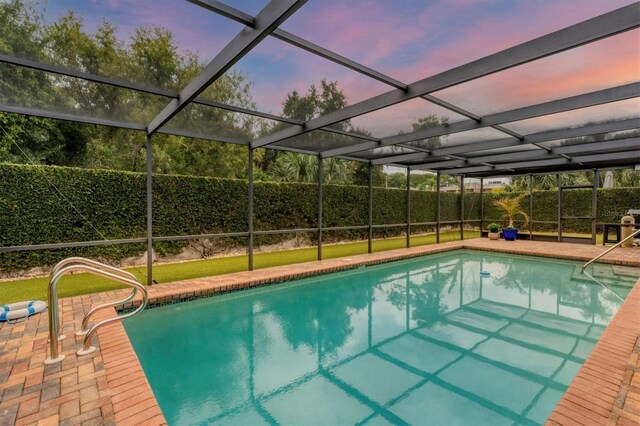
column 318, row 141
column 155, row 43
column 277, row 70
column 613, row 111
column 405, row 117
column 411, row 40
column 460, row 138
column 610, row 62
column 23, row 87
column 382, row 152
column 215, row 122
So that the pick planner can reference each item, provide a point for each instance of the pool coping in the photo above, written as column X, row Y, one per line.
column 120, row 393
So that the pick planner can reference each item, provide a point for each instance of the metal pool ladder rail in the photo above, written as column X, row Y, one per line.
column 79, row 264
column 618, row 244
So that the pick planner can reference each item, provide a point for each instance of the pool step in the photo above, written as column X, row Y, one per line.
column 609, row 274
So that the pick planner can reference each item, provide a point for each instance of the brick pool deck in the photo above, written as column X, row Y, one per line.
column 109, row 386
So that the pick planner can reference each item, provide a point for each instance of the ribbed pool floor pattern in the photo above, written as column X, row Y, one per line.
column 111, row 388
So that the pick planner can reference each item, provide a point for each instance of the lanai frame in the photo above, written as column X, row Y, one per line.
column 453, row 160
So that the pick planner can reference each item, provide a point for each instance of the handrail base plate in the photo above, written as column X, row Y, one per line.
column 50, row 361
column 60, row 338
column 88, row 351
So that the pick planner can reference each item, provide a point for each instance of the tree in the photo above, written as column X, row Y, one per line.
column 626, row 178
column 549, row 181
column 316, row 102
column 424, row 182
column 361, row 175
column 511, row 209
column 20, row 30
column 151, row 58
column 293, row 167
column 30, row 139
column 427, row 122
column 395, row 180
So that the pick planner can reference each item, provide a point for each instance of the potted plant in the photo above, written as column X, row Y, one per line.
column 511, row 208
column 494, row 231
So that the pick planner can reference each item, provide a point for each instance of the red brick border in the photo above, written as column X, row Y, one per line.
column 606, row 389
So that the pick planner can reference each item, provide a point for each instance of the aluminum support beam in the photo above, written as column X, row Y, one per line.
column 621, row 165
column 481, row 205
column 54, row 69
column 468, row 114
column 35, row 112
column 149, row 173
column 613, row 144
column 408, row 207
column 317, row 50
column 169, row 94
column 610, row 145
column 559, row 184
column 606, row 25
column 462, row 207
column 438, row 207
column 530, row 207
column 599, row 97
column 370, row 210
column 594, row 205
column 269, row 18
column 320, row 201
column 250, row 210
column 336, row 58
column 226, row 11
column 55, row 246
column 246, row 19
column 546, row 136
column 632, row 157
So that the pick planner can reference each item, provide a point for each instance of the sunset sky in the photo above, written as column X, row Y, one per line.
column 405, row 39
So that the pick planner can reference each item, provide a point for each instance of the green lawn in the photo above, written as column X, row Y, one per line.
column 73, row 285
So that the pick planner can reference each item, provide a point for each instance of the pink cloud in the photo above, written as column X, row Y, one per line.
column 375, row 33
column 362, row 30
column 612, row 111
column 407, row 42
column 607, row 63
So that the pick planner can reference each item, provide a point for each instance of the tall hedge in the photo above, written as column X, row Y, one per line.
column 612, row 205
column 38, row 206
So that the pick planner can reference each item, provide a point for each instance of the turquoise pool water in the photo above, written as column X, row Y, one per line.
column 423, row 341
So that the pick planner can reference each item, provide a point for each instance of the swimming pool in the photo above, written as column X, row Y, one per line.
column 432, row 340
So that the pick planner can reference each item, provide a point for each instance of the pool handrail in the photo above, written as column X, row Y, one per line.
column 106, row 272
column 98, row 265
column 603, row 285
column 618, row 244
